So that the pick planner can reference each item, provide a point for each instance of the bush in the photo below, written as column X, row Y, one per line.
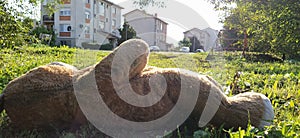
column 87, row 45
column 106, row 47
column 97, row 46
column 42, row 30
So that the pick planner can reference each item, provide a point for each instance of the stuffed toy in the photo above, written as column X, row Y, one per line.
column 58, row 95
column 41, row 98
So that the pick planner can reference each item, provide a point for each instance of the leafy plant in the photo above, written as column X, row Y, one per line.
column 185, row 42
column 12, row 32
column 126, row 32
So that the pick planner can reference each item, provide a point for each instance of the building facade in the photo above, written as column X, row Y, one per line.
column 213, row 38
column 149, row 27
column 79, row 22
column 205, row 39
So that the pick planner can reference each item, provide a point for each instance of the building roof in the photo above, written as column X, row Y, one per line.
column 206, row 29
column 109, row 2
column 135, row 11
column 144, row 12
column 196, row 29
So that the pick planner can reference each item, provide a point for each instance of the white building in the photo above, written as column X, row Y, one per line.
column 205, row 39
column 84, row 21
column 149, row 27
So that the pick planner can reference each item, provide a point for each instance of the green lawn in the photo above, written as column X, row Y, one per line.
column 280, row 81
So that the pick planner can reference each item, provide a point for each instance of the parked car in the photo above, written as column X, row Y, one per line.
column 184, row 49
column 199, row 50
column 154, row 48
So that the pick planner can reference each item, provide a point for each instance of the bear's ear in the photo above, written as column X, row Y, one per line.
column 128, row 60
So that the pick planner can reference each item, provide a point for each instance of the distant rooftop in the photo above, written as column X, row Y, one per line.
column 144, row 12
column 112, row 3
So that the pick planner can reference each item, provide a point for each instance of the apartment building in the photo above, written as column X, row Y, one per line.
column 149, row 27
column 205, row 39
column 77, row 22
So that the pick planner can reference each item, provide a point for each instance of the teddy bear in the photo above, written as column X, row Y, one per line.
column 125, row 71
column 58, row 95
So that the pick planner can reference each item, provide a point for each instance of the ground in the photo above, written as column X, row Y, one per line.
column 278, row 80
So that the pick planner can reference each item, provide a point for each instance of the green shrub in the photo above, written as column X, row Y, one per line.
column 106, row 47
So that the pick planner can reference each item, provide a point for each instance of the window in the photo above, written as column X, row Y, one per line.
column 101, row 8
column 101, row 25
column 65, row 12
column 114, row 10
column 63, row 42
column 159, row 26
column 113, row 23
column 87, row 30
column 64, row 27
column 87, row 15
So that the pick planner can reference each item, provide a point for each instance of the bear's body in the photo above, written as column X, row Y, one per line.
column 45, row 97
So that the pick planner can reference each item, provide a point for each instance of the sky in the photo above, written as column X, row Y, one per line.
column 181, row 15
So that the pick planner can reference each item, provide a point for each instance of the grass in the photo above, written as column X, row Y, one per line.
column 280, row 81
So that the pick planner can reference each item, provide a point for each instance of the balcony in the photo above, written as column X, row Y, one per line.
column 65, row 18
column 87, row 20
column 65, row 34
column 47, row 18
column 87, row 5
column 66, row 1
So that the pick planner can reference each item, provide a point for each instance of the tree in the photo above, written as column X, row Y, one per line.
column 28, row 23
column 229, row 38
column 12, row 32
column 185, row 42
column 145, row 3
column 270, row 26
column 126, row 32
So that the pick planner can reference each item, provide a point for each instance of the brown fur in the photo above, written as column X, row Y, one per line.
column 44, row 96
column 235, row 111
column 236, row 106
